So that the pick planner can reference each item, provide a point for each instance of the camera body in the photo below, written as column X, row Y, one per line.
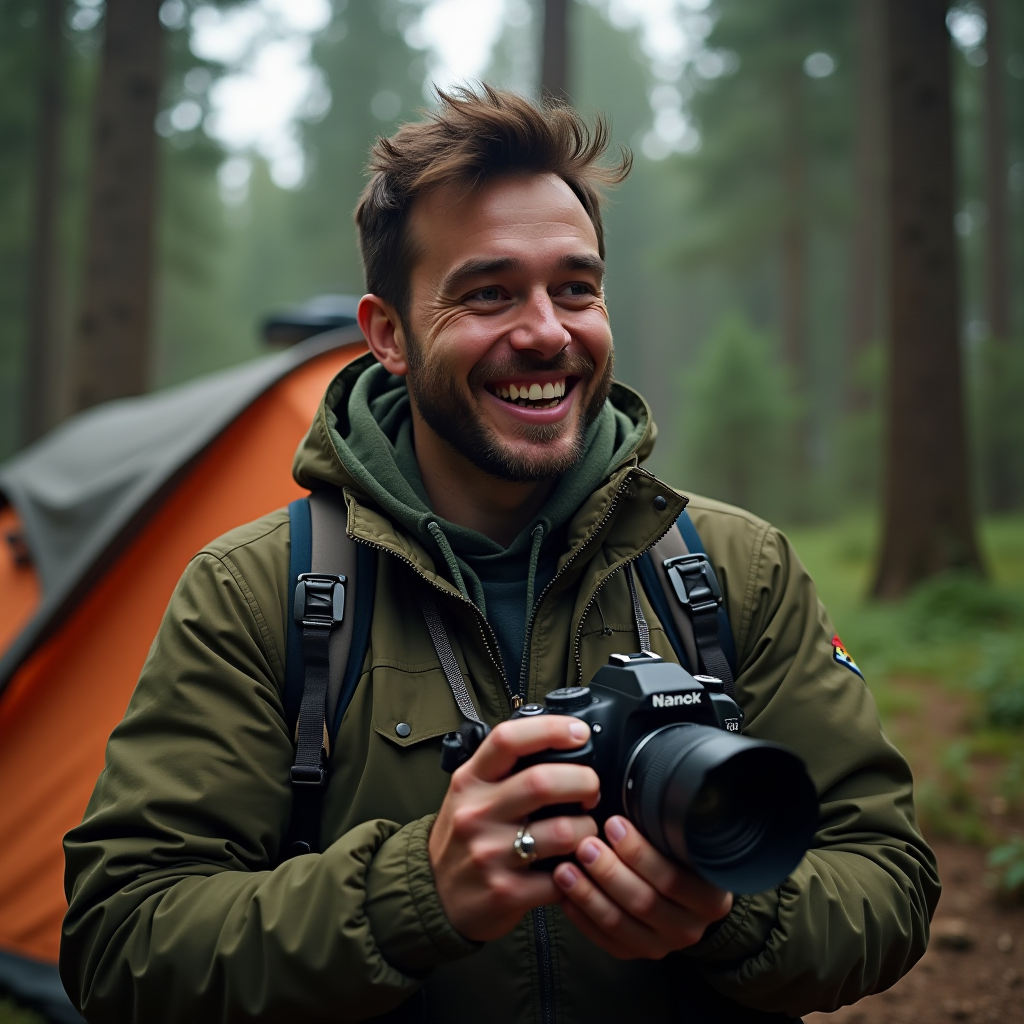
column 628, row 700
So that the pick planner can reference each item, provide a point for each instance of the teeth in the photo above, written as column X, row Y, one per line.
column 521, row 394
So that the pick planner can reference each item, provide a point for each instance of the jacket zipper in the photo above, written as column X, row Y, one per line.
column 545, row 969
column 542, row 936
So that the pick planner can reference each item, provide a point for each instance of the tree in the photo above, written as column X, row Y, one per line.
column 998, row 273
column 738, row 411
column 866, row 241
column 928, row 523
column 114, row 325
column 43, row 327
column 554, row 76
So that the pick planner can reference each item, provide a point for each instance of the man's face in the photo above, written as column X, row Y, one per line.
column 507, row 339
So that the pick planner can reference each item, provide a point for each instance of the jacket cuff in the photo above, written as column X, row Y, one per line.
column 743, row 933
column 411, row 929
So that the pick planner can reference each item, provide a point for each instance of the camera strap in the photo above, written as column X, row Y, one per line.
column 445, row 655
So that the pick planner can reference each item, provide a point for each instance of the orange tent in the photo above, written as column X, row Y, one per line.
column 100, row 518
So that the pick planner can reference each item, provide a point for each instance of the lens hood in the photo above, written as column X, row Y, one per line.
column 740, row 812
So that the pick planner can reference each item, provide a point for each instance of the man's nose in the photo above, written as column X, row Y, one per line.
column 538, row 328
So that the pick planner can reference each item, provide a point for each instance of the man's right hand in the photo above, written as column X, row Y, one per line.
column 481, row 880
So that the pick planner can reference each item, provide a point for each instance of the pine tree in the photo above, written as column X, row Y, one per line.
column 115, row 321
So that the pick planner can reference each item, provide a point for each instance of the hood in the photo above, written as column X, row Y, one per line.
column 361, row 438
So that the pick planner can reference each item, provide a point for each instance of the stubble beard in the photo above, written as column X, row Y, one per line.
column 445, row 409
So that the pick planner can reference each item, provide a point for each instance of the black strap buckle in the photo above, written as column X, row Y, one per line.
column 307, row 775
column 319, row 599
column 694, row 582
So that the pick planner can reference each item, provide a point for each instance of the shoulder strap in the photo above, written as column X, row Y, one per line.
column 681, row 585
column 328, row 632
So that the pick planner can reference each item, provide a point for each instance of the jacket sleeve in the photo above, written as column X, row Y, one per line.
column 854, row 915
column 176, row 911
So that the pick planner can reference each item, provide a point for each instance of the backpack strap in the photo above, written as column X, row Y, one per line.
column 328, row 632
column 681, row 585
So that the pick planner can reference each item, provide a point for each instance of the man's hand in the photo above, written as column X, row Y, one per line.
column 481, row 881
column 633, row 902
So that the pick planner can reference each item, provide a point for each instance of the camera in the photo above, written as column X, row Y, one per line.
column 667, row 748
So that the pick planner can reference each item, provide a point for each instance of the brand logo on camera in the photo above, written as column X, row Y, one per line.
column 673, row 700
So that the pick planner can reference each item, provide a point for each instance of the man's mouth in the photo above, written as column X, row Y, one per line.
column 532, row 394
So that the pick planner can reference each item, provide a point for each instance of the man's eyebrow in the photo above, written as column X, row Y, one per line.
column 478, row 267
column 583, row 261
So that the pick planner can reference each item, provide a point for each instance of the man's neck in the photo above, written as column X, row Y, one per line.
column 467, row 496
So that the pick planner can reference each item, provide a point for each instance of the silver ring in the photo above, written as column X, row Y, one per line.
column 525, row 845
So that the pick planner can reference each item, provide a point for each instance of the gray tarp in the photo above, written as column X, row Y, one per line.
column 84, row 489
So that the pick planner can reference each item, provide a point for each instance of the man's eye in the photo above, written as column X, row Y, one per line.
column 487, row 294
column 577, row 289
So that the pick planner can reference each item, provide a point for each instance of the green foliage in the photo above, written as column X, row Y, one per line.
column 856, row 475
column 1000, row 680
column 1008, row 859
column 737, row 411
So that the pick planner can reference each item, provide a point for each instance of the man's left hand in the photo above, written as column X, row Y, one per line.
column 632, row 901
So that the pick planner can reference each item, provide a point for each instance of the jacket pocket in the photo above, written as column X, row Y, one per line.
column 410, row 705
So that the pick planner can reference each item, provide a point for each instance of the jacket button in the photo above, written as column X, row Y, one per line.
column 660, row 503
column 403, row 729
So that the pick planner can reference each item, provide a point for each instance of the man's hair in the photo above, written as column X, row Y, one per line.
column 473, row 137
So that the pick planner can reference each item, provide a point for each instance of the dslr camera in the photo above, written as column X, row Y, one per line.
column 667, row 748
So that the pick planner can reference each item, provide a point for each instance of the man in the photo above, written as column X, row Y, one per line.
column 487, row 457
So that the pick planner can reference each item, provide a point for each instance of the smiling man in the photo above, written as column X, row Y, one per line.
column 491, row 468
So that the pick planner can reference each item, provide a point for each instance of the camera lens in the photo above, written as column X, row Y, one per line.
column 740, row 812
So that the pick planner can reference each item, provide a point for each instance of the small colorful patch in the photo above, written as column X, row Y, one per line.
column 839, row 652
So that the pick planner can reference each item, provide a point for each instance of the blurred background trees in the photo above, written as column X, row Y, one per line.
column 749, row 254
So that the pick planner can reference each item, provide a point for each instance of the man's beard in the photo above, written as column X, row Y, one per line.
column 443, row 406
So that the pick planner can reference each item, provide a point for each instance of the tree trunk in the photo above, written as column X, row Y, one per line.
column 998, row 449
column 43, row 316
column 928, row 522
column 867, row 244
column 995, row 178
column 112, row 342
column 794, row 260
column 554, row 77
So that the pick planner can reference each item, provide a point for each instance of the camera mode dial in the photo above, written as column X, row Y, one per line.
column 568, row 698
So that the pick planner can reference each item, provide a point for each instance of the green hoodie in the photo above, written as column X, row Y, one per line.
column 179, row 906
column 378, row 446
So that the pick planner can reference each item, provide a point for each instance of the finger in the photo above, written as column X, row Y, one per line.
column 677, row 924
column 673, row 881
column 555, row 837
column 541, row 786
column 607, row 916
column 508, row 742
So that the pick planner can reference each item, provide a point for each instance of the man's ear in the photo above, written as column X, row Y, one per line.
column 382, row 328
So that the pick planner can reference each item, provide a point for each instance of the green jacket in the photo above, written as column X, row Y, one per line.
column 179, row 908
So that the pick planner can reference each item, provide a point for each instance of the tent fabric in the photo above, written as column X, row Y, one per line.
column 71, row 688
column 78, row 490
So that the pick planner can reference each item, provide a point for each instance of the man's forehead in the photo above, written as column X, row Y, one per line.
column 509, row 211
